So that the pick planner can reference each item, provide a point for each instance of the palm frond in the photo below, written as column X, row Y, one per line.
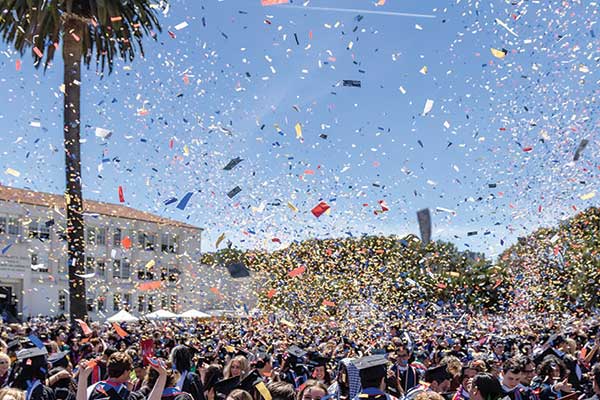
column 112, row 28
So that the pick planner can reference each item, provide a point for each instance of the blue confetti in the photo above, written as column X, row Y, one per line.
column 184, row 201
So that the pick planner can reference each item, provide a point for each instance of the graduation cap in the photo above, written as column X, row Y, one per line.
column 296, row 351
column 351, row 83
column 226, row 386
column 318, row 360
column 59, row 359
column 238, row 270
column 550, row 351
column 438, row 374
column 372, row 367
column 231, row 164
column 233, row 192
column 31, row 352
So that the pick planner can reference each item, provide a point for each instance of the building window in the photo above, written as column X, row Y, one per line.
column 37, row 264
column 173, row 302
column 117, row 237
column 39, row 230
column 141, row 307
column 14, row 226
column 122, row 269
column 91, row 236
column 116, row 302
column 62, row 234
column 101, row 304
column 2, row 225
column 168, row 243
column 151, row 300
column 62, row 301
column 101, row 236
column 101, row 269
column 163, row 301
column 145, row 274
column 90, row 304
column 90, row 264
column 127, row 300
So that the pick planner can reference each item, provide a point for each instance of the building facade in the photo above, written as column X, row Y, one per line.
column 134, row 260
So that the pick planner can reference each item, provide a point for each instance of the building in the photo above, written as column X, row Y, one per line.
column 134, row 259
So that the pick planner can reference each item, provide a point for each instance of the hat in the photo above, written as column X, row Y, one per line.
column 296, row 351
column 372, row 367
column 226, row 386
column 31, row 353
column 438, row 374
column 59, row 359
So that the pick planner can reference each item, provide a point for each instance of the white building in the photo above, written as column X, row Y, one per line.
column 33, row 258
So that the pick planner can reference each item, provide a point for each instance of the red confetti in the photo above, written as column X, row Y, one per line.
column 527, row 149
column 320, row 209
column 297, row 271
column 18, row 65
column 121, row 195
column 271, row 293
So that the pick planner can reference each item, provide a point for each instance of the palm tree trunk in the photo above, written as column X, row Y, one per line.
column 73, row 196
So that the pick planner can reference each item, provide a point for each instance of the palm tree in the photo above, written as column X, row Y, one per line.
column 106, row 29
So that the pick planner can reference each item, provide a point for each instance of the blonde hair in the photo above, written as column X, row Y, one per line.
column 11, row 394
column 242, row 361
column 4, row 356
column 429, row 395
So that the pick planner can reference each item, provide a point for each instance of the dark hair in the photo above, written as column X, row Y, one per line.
column 181, row 358
column 212, row 375
column 488, row 386
column 282, row 390
column 548, row 364
column 118, row 363
column 513, row 365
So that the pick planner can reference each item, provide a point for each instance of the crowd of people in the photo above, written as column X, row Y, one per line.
column 448, row 356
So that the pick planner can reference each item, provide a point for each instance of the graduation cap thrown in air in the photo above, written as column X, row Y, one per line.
column 231, row 164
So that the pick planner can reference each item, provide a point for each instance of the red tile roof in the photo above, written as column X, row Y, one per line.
column 23, row 196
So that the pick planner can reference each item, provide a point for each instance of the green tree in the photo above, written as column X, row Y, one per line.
column 106, row 29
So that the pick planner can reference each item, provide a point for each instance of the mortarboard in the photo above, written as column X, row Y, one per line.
column 59, row 359
column 226, row 386
column 317, row 360
column 254, row 384
column 231, row 164
column 438, row 374
column 351, row 83
column 231, row 194
column 372, row 367
column 31, row 353
column 296, row 351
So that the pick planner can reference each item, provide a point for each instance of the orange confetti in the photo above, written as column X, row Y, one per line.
column 18, row 65
column 328, row 303
column 271, row 293
column 297, row 271
column 116, row 19
column 273, row 2
column 126, row 242
column 38, row 52
column 149, row 285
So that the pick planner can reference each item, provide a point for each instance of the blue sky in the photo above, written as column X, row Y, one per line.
column 237, row 68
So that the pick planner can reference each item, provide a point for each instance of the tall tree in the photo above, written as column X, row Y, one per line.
column 87, row 29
